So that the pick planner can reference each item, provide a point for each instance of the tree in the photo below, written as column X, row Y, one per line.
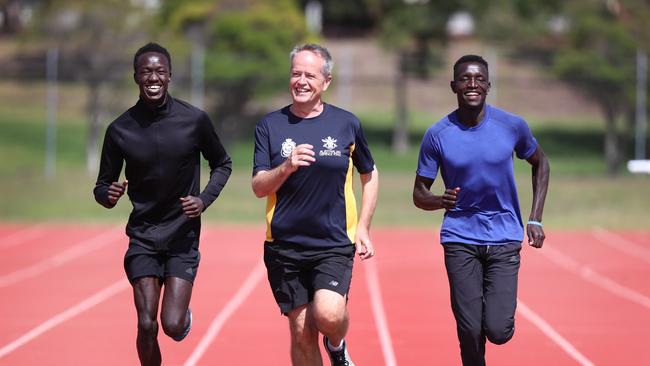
column 416, row 31
column 247, row 49
column 590, row 45
column 97, row 40
column 10, row 14
column 633, row 16
column 598, row 60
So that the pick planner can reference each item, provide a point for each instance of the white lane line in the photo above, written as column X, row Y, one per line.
column 614, row 287
column 602, row 281
column 620, row 243
column 379, row 314
column 551, row 333
column 21, row 236
column 74, row 252
column 220, row 320
column 90, row 302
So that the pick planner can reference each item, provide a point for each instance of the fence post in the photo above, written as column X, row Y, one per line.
column 51, row 71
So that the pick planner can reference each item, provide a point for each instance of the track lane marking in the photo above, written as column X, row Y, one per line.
column 228, row 310
column 585, row 272
column 21, row 236
column 620, row 243
column 551, row 333
column 78, row 250
column 379, row 314
column 66, row 315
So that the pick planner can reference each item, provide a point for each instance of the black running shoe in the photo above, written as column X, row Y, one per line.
column 340, row 357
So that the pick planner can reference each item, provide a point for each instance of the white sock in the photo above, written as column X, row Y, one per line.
column 334, row 348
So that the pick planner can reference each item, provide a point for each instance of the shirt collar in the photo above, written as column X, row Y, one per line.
column 162, row 110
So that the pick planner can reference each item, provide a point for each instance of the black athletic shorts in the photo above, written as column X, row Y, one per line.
column 295, row 272
column 181, row 260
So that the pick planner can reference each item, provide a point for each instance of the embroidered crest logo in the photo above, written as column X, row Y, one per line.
column 287, row 147
column 329, row 144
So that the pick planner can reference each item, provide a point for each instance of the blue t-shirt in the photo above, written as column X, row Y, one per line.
column 479, row 161
column 315, row 206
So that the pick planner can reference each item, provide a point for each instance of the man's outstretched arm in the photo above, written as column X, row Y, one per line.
column 540, row 175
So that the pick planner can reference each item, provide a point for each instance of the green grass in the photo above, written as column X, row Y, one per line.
column 23, row 146
column 580, row 194
column 573, row 202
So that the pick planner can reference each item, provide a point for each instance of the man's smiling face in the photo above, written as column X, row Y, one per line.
column 153, row 75
column 471, row 85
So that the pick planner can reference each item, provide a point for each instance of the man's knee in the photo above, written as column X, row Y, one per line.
column 147, row 326
column 174, row 327
column 329, row 311
column 499, row 335
column 499, row 324
column 329, row 318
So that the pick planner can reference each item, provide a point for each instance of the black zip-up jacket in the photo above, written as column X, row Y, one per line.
column 161, row 150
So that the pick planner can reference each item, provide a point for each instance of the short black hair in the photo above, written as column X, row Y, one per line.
column 470, row 58
column 152, row 47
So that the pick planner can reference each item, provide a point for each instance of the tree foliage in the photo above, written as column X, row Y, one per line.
column 96, row 41
column 416, row 32
column 633, row 16
column 247, row 48
column 598, row 59
column 254, row 42
column 591, row 45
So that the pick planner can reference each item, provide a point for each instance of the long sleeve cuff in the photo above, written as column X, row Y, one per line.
column 218, row 178
column 101, row 196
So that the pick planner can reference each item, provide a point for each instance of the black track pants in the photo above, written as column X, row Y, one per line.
column 483, row 288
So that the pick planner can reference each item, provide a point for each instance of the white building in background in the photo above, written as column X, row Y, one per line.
column 460, row 24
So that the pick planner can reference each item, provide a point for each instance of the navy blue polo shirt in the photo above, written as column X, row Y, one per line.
column 315, row 206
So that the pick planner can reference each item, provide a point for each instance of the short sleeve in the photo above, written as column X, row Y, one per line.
column 429, row 157
column 262, row 154
column 361, row 157
column 526, row 143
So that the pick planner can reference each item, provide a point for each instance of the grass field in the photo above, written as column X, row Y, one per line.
column 580, row 194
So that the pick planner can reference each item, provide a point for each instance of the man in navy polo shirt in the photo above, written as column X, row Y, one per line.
column 482, row 228
column 304, row 156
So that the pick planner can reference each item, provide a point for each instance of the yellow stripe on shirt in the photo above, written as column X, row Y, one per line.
column 350, row 201
column 270, row 209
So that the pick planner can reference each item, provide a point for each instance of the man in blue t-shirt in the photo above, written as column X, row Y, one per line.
column 303, row 161
column 482, row 228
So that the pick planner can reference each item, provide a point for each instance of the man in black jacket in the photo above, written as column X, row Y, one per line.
column 160, row 139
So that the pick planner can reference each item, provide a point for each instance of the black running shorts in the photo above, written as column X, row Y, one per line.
column 181, row 260
column 295, row 272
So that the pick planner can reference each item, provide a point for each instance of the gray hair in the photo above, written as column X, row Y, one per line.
column 321, row 51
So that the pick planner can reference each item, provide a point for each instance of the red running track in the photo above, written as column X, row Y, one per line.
column 583, row 300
